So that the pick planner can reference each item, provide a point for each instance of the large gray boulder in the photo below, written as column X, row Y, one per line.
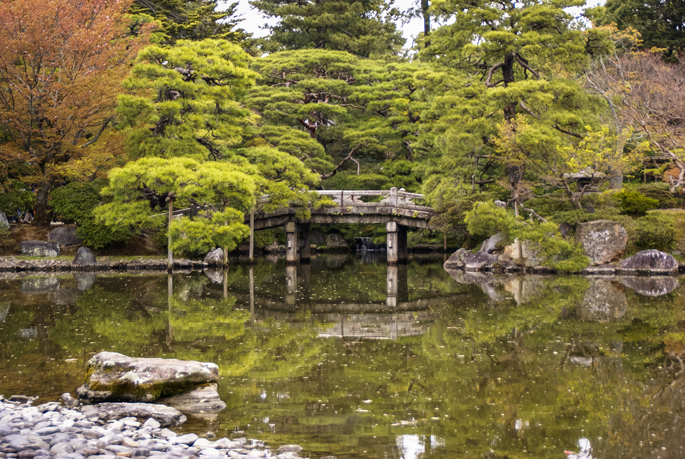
column 84, row 257
column 215, row 257
column 478, row 261
column 649, row 262
column 651, row 285
column 604, row 301
column 603, row 241
column 165, row 415
column 115, row 377
column 456, row 261
column 64, row 235
column 490, row 244
column 3, row 220
column 40, row 249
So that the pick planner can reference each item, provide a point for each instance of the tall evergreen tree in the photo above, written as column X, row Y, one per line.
column 516, row 58
column 193, row 19
column 360, row 27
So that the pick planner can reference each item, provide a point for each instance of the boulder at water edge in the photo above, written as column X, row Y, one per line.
column 603, row 241
column 215, row 257
column 478, row 261
column 84, row 257
column 113, row 377
column 64, row 235
column 3, row 220
column 456, row 261
column 649, row 262
column 40, row 248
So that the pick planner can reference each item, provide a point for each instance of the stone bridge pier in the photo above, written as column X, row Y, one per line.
column 298, row 247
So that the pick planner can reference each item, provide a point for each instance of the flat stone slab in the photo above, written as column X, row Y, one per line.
column 165, row 415
column 116, row 377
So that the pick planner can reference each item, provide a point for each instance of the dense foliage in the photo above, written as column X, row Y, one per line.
column 523, row 102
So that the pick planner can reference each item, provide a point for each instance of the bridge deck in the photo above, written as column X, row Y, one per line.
column 352, row 206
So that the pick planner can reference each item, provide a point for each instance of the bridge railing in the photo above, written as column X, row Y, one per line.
column 392, row 197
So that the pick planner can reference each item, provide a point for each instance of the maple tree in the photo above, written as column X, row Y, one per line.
column 61, row 64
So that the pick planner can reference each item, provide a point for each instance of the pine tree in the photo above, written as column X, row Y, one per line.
column 360, row 27
column 193, row 20
column 511, row 60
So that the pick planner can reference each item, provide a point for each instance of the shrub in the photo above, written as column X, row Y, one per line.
column 14, row 196
column 635, row 203
column 486, row 219
column 660, row 192
column 74, row 203
column 655, row 230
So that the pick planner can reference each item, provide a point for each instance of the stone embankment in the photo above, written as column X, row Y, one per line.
column 57, row 430
column 12, row 264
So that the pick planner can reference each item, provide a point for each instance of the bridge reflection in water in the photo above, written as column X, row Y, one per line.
column 393, row 318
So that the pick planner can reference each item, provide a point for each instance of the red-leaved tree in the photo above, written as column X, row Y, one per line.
column 61, row 65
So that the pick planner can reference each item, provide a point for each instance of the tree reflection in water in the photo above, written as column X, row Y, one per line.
column 355, row 359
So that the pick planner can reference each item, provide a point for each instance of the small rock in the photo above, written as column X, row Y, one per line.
column 84, row 257
column 152, row 424
column 289, row 449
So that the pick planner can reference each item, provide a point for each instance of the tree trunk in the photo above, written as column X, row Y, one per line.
column 426, row 22
column 41, row 208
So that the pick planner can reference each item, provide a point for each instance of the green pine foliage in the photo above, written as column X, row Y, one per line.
column 184, row 100
column 360, row 27
column 193, row 20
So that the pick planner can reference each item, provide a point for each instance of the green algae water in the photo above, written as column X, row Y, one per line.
column 350, row 358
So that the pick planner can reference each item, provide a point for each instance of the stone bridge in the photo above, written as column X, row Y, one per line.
column 394, row 208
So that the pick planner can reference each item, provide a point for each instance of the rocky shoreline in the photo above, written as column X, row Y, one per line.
column 67, row 430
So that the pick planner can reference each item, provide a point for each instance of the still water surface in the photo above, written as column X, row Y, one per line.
column 349, row 358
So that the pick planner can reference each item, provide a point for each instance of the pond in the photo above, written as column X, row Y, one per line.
column 353, row 359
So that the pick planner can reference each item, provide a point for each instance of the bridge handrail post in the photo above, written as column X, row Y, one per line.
column 393, row 196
